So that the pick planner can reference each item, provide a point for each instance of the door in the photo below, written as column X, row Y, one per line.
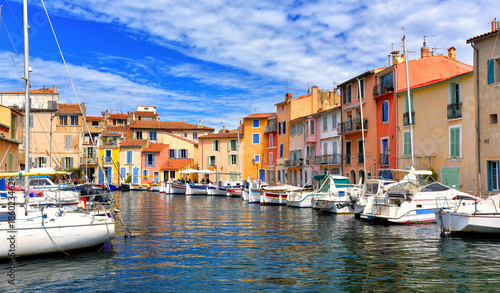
column 135, row 178
column 262, row 175
column 109, row 174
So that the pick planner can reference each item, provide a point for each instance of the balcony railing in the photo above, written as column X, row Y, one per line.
column 271, row 128
column 353, row 125
column 384, row 159
column 347, row 159
column 89, row 160
column 455, row 111
column 361, row 159
column 329, row 159
column 384, row 87
column 108, row 160
column 406, row 118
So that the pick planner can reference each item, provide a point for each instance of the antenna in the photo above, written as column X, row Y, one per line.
column 308, row 88
column 435, row 49
column 429, row 36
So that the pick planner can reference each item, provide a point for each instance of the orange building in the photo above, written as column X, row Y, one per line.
column 256, row 145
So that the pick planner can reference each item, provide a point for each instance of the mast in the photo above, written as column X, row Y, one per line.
column 27, row 104
column 362, row 128
column 410, row 120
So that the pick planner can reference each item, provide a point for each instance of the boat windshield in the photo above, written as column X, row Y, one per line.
column 433, row 187
column 324, row 185
column 371, row 187
column 342, row 183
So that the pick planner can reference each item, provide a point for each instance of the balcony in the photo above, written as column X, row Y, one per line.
column 361, row 159
column 406, row 118
column 386, row 86
column 108, row 160
column 271, row 128
column 455, row 111
column 353, row 125
column 329, row 160
column 384, row 159
column 90, row 161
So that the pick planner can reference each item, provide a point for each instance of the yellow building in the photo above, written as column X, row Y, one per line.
column 220, row 152
column 109, row 154
column 443, row 116
column 11, row 136
column 255, row 144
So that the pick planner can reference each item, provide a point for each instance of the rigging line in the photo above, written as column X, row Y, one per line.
column 10, row 53
column 74, row 90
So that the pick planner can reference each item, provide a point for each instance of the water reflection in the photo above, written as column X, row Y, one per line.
column 200, row 243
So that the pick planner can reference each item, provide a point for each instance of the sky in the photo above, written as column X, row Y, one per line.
column 217, row 61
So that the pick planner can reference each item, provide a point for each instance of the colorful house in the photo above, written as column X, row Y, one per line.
column 330, row 160
column 182, row 154
column 109, row 153
column 271, row 135
column 220, row 152
column 11, row 136
column 153, row 158
column 131, row 158
column 256, row 144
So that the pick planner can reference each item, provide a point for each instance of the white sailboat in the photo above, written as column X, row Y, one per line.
column 40, row 225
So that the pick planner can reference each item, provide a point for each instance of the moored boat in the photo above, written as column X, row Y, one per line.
column 333, row 193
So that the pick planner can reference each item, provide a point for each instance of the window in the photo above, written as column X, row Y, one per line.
column 455, row 145
column 150, row 160
column 271, row 159
column 172, row 153
column 156, row 176
column 152, row 136
column 493, row 176
column 233, row 159
column 129, row 158
column 454, row 93
column 233, row 145
column 406, row 114
column 183, row 154
column 271, row 142
column 215, row 145
column 211, row 160
column 63, row 120
column 74, row 120
column 361, row 155
column 67, row 142
column 171, row 174
column 255, row 138
column 334, row 120
column 185, row 135
column 256, row 123
column 311, row 124
column 195, row 135
column 493, row 118
column 325, row 123
column 233, row 176
column 107, row 156
column 300, row 128
column 31, row 121
column 282, row 109
column 138, row 135
column 361, row 85
column 348, row 150
column 347, row 94
column 385, row 111
column 493, row 71
column 40, row 162
column 281, row 150
column 95, row 123
column 450, row 176
column 406, row 144
column 279, row 176
column 145, row 174
column 256, row 158
column 282, row 127
column 293, row 129
column 68, row 163
column 13, row 126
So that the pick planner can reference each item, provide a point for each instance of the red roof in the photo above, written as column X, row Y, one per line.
column 155, row 148
column 38, row 91
column 482, row 36
column 69, row 108
column 166, row 125
column 133, row 143
column 145, row 113
column 94, row 118
column 114, row 130
column 435, row 81
column 259, row 115
column 182, row 138
column 221, row 135
column 175, row 164
column 118, row 116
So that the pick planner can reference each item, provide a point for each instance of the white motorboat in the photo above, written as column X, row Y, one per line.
column 177, row 188
column 277, row 194
column 332, row 193
column 412, row 199
column 198, row 189
column 471, row 215
column 371, row 187
column 227, row 188
column 252, row 190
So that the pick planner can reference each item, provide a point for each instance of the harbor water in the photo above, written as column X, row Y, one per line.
column 209, row 243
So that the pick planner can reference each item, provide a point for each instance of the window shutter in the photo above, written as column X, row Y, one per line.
column 490, row 185
column 71, row 163
column 67, row 142
column 385, row 111
column 284, row 127
column 453, row 97
column 491, row 71
column 237, row 162
column 407, row 144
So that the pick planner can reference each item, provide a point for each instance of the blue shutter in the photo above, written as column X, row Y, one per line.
column 385, row 111
column 109, row 174
column 153, row 158
column 101, row 176
column 123, row 172
column 135, row 178
column 491, row 71
column 490, row 185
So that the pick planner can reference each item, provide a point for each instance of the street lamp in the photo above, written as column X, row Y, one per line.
column 257, row 171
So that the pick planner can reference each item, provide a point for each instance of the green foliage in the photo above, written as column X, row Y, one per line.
column 434, row 176
column 129, row 179
column 75, row 170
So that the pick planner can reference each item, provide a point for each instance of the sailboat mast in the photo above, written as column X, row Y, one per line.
column 410, row 118
column 362, row 127
column 27, row 104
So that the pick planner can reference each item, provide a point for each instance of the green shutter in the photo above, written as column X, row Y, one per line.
column 406, row 144
column 229, row 162
column 490, row 183
column 455, row 142
column 491, row 71
column 237, row 162
column 453, row 98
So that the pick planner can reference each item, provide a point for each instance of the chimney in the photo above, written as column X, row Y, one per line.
column 395, row 57
column 451, row 52
column 55, row 88
column 288, row 97
column 424, row 51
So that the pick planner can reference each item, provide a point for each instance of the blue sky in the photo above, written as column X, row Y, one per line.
column 217, row 60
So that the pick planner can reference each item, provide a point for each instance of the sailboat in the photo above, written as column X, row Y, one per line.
column 39, row 224
column 415, row 197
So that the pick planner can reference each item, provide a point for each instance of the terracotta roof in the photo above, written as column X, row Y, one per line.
column 145, row 113
column 118, row 116
column 38, row 91
column 220, row 135
column 94, row 118
column 69, row 108
column 115, row 130
column 182, row 138
column 175, row 164
column 259, row 115
column 166, row 125
column 482, row 36
column 435, row 81
column 133, row 143
column 155, row 148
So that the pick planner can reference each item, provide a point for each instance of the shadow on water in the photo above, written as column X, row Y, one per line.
column 199, row 243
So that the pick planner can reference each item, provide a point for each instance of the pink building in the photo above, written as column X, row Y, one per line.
column 152, row 159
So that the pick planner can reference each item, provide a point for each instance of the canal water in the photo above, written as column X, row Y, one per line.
column 200, row 243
